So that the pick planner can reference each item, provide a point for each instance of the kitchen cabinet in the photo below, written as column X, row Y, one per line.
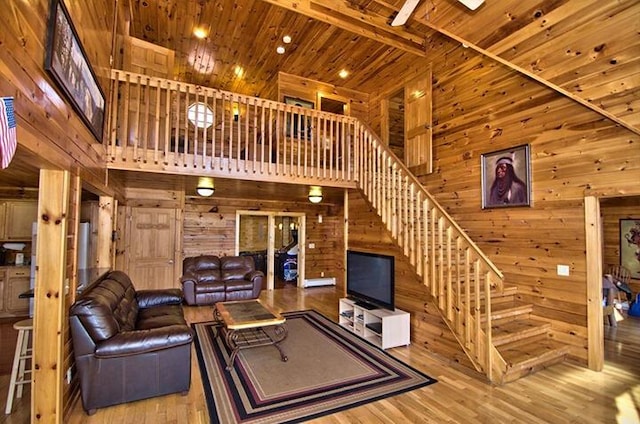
column 15, row 280
column 17, row 217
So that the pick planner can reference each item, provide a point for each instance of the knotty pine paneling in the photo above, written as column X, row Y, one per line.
column 47, row 124
column 480, row 106
column 210, row 228
column 367, row 233
column 308, row 89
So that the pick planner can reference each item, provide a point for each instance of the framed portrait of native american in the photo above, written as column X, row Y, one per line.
column 630, row 245
column 506, row 178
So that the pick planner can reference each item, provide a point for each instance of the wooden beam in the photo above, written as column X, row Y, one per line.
column 593, row 241
column 339, row 14
column 534, row 77
column 106, row 213
column 48, row 343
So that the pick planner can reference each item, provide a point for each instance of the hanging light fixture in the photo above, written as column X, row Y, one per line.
column 205, row 187
column 315, row 194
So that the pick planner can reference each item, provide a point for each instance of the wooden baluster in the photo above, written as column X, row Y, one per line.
column 425, row 252
column 262, row 137
column 478, row 322
column 114, row 114
column 205, row 130
column 412, row 225
column 255, row 134
column 467, row 297
column 196, row 130
column 147, row 121
column 156, row 138
column 270, row 150
column 449, row 300
column 419, row 240
column 185, row 145
column 246, row 132
column 458, row 291
column 487, row 329
column 136, row 137
column 125, row 118
column 167, row 122
column 432, row 261
column 223, row 155
column 441, row 262
column 176, row 134
column 230, row 150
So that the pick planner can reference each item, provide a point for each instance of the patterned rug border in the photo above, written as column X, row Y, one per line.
column 330, row 329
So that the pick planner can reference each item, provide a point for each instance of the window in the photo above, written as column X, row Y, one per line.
column 200, row 115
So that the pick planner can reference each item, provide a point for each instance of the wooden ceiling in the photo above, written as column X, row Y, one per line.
column 587, row 49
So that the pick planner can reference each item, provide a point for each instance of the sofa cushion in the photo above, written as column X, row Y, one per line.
column 209, row 288
column 160, row 316
column 236, row 267
column 236, row 285
column 209, row 276
column 197, row 264
column 107, row 308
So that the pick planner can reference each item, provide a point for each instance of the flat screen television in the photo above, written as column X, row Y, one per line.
column 370, row 279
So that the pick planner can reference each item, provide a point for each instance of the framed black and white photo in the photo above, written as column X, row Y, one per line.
column 301, row 125
column 506, row 178
column 66, row 62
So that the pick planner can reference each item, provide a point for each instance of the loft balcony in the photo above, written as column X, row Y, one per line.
column 159, row 125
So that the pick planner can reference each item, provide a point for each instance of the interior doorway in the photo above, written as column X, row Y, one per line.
column 276, row 242
column 395, row 122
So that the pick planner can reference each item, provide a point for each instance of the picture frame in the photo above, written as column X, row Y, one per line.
column 506, row 177
column 66, row 62
column 630, row 245
column 305, row 131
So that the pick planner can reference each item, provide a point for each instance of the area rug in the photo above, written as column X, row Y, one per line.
column 329, row 369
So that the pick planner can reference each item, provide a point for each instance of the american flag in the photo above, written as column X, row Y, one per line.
column 8, row 141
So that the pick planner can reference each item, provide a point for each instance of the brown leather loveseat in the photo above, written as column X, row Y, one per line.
column 129, row 344
column 208, row 279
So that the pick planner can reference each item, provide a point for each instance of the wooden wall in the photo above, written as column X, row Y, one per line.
column 308, row 89
column 47, row 124
column 367, row 233
column 480, row 106
column 210, row 228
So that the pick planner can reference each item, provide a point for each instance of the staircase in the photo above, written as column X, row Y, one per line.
column 263, row 140
column 496, row 331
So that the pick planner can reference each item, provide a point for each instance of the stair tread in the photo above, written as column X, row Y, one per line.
column 518, row 329
column 519, row 355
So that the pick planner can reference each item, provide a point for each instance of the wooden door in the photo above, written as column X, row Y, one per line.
column 152, row 236
column 417, row 148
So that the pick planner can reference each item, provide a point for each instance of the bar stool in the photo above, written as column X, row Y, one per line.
column 23, row 353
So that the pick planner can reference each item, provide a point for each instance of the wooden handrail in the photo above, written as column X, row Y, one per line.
column 151, row 129
column 459, row 275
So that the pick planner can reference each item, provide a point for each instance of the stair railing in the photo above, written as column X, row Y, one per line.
column 459, row 276
column 151, row 129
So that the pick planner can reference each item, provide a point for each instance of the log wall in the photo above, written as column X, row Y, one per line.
column 308, row 89
column 367, row 233
column 210, row 228
column 480, row 106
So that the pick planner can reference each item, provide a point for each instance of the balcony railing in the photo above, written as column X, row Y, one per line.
column 169, row 126
column 154, row 128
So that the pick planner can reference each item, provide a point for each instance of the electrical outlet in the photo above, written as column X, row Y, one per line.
column 563, row 270
column 69, row 375
column 312, row 245
column 320, row 219
column 321, row 273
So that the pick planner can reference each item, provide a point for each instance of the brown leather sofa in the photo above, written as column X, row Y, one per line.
column 208, row 279
column 129, row 345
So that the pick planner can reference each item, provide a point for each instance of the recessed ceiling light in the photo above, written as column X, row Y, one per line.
column 200, row 32
column 286, row 39
column 280, row 50
column 238, row 71
column 343, row 74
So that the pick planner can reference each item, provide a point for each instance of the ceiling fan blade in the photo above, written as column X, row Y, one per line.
column 472, row 4
column 405, row 11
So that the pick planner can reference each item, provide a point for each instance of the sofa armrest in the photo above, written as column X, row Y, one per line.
column 135, row 342
column 150, row 298
column 251, row 276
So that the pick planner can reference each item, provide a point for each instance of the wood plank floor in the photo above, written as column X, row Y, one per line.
column 565, row 393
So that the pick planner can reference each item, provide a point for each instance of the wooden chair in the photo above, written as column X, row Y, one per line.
column 619, row 273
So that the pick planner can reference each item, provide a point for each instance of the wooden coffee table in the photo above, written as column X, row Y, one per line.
column 247, row 324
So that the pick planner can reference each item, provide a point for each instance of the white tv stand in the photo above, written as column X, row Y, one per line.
column 381, row 327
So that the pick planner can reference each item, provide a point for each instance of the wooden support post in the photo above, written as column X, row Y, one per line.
column 593, row 239
column 105, row 230
column 51, row 249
